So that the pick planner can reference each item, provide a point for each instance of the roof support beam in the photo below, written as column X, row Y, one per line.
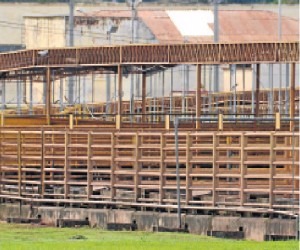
column 165, row 54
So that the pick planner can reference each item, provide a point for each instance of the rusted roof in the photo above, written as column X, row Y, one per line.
column 107, row 13
column 255, row 26
column 234, row 26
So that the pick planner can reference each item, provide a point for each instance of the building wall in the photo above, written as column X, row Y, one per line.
column 93, row 31
column 240, row 78
column 44, row 32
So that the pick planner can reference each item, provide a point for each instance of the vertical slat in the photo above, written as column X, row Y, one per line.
column 89, row 166
column 66, row 187
column 19, row 139
column 188, row 169
column 214, row 182
column 113, row 167
column 43, row 164
column 242, row 166
column 271, row 181
column 136, row 141
column 162, row 166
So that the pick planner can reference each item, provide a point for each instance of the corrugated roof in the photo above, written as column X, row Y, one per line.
column 234, row 25
column 243, row 26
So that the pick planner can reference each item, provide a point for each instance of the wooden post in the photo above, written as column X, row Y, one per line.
column 257, row 90
column 292, row 96
column 277, row 121
column 167, row 122
column 48, row 95
column 198, row 97
column 143, row 97
column 220, row 122
column 2, row 119
column 71, row 121
column 120, row 91
column 118, row 121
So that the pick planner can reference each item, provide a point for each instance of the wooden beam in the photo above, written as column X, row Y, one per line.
column 48, row 95
column 143, row 97
column 292, row 96
column 198, row 96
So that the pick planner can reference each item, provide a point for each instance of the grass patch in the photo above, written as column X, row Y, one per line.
column 35, row 237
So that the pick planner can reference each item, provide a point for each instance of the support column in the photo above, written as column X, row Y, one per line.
column 292, row 96
column 120, row 89
column 198, row 96
column 48, row 95
column 107, row 106
column 24, row 90
column 257, row 90
column 30, row 95
column 143, row 97
column 3, row 105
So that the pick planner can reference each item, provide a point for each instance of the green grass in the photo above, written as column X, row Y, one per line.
column 33, row 237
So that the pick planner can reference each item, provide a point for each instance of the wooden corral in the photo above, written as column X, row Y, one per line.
column 247, row 162
column 248, row 170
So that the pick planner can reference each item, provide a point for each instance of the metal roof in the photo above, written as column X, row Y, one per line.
column 234, row 26
column 196, row 25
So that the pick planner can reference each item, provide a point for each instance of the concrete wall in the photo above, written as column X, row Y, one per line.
column 254, row 228
column 44, row 32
